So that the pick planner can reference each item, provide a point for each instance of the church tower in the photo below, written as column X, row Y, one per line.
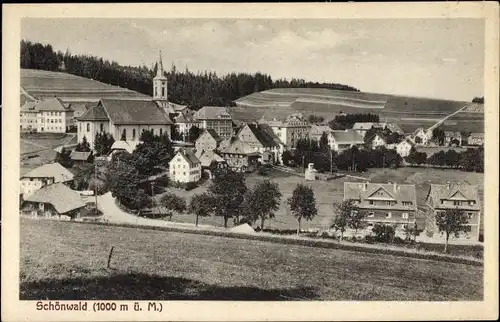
column 160, row 89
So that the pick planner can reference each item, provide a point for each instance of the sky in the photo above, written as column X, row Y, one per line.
column 436, row 58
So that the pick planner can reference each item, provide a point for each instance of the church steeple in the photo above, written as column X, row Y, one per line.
column 160, row 89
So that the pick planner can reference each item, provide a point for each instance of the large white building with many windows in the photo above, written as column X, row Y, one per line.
column 50, row 115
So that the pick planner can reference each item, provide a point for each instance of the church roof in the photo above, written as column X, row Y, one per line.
column 134, row 111
column 95, row 113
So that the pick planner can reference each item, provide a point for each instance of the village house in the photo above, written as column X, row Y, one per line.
column 209, row 140
column 263, row 140
column 378, row 140
column 43, row 176
column 403, row 148
column 290, row 130
column 54, row 200
column 317, row 131
column 81, row 157
column 125, row 119
column 240, row 156
column 346, row 139
column 185, row 167
column 50, row 115
column 465, row 197
column 208, row 157
column 450, row 136
column 384, row 203
column 424, row 136
column 216, row 118
column 363, row 127
column 476, row 139
column 184, row 122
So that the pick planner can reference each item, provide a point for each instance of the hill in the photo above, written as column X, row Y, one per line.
column 42, row 84
column 159, row 265
column 409, row 112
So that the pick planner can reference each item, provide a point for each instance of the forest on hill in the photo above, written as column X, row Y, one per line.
column 184, row 87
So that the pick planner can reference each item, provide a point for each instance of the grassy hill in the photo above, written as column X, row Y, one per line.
column 409, row 112
column 160, row 265
column 70, row 88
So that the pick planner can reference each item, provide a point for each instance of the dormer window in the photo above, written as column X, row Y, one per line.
column 472, row 203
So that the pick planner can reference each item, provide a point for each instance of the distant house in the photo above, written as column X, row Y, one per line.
column 403, row 148
column 209, row 140
column 378, row 140
column 317, row 131
column 442, row 197
column 185, row 167
column 384, row 203
column 49, row 115
column 263, row 140
column 208, row 157
column 43, row 176
column 291, row 129
column 185, row 121
column 363, row 127
column 81, row 157
column 423, row 135
column 476, row 139
column 240, row 156
column 449, row 136
column 346, row 139
column 53, row 200
column 216, row 118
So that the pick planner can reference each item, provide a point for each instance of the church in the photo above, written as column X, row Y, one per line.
column 126, row 118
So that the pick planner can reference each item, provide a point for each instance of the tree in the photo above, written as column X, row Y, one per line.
column 288, row 158
column 194, row 133
column 302, row 204
column 202, row 205
column 173, row 202
column 323, row 142
column 451, row 221
column 262, row 201
column 313, row 119
column 228, row 189
column 103, row 143
column 384, row 233
column 153, row 154
column 343, row 219
column 438, row 135
column 176, row 135
column 83, row 146
column 64, row 158
column 412, row 231
column 478, row 100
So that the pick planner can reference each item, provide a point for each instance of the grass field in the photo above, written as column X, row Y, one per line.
column 61, row 260
column 327, row 103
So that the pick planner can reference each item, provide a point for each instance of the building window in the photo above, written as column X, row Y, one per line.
column 88, row 127
column 124, row 134
column 163, row 91
column 371, row 214
column 404, row 215
column 456, row 203
column 388, row 215
column 102, row 127
column 133, row 134
column 371, row 202
column 470, row 215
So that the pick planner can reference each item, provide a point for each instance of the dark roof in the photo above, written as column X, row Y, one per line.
column 51, row 170
column 95, row 113
column 53, row 104
column 80, row 156
column 134, row 111
column 214, row 134
column 363, row 190
column 347, row 136
column 264, row 134
column 447, row 192
column 189, row 156
column 58, row 195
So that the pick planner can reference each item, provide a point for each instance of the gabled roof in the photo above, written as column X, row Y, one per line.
column 393, row 127
column 347, row 137
column 207, row 157
column 319, row 129
column 237, row 146
column 214, row 134
column 212, row 112
column 134, row 111
column 80, row 156
column 79, row 108
column 95, row 113
column 128, row 146
column 438, row 192
column 452, row 134
column 185, row 116
column 477, row 135
column 188, row 155
column 363, row 190
column 29, row 106
column 51, row 170
column 58, row 195
column 363, row 125
column 264, row 134
column 52, row 104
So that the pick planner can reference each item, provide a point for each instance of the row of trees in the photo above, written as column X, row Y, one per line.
column 468, row 160
column 346, row 121
column 184, row 87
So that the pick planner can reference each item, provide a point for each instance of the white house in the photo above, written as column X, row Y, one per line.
column 216, row 118
column 378, row 140
column 50, row 115
column 402, row 148
column 346, row 139
column 185, row 167
column 424, row 135
column 43, row 176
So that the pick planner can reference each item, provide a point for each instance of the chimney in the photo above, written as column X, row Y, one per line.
column 448, row 184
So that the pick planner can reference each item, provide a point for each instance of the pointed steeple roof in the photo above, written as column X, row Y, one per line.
column 159, row 70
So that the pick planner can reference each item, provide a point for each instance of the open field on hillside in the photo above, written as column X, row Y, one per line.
column 46, row 84
column 162, row 265
column 327, row 103
column 328, row 192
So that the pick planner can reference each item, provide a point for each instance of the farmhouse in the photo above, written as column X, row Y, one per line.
column 216, row 118
column 50, row 115
column 378, row 140
column 442, row 197
column 450, row 137
column 421, row 136
column 262, row 139
column 240, row 156
column 53, row 200
column 346, row 139
column 384, row 203
column 43, row 176
column 208, row 157
column 124, row 119
column 209, row 140
column 185, row 167
column 291, row 129
column 476, row 139
column 402, row 148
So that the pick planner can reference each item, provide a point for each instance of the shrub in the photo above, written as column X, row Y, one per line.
column 190, row 186
column 263, row 171
column 370, row 239
column 324, row 235
column 383, row 233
